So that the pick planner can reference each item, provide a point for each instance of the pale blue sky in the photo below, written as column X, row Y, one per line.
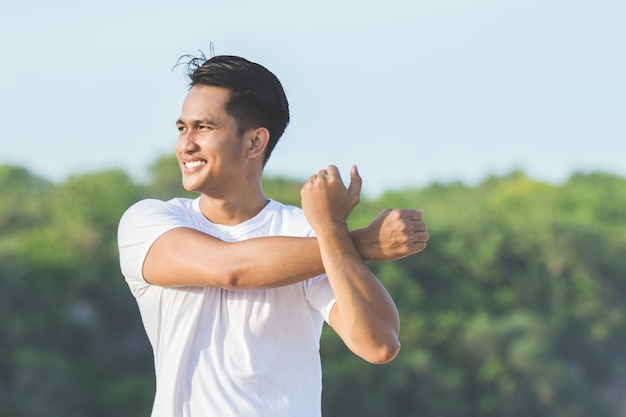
column 411, row 91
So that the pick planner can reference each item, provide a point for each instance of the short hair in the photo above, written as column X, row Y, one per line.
column 257, row 98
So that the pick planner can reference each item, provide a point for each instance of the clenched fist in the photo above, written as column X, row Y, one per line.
column 393, row 234
column 327, row 202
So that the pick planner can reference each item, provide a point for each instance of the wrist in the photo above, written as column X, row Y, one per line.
column 331, row 230
column 359, row 237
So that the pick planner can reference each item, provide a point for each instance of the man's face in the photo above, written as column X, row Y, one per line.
column 210, row 152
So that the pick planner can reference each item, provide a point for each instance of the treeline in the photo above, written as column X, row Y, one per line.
column 516, row 308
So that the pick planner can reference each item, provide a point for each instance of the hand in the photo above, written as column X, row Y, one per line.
column 393, row 234
column 327, row 202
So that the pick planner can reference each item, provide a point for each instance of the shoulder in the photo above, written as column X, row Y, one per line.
column 147, row 215
column 153, row 207
column 290, row 218
column 152, row 204
column 278, row 207
column 141, row 225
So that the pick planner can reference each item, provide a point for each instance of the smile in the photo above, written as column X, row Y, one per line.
column 194, row 164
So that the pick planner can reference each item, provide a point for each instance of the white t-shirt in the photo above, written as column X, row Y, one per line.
column 227, row 353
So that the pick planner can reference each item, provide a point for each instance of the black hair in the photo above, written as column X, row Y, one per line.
column 257, row 98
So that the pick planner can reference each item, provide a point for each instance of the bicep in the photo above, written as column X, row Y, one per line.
column 336, row 322
column 181, row 256
column 371, row 352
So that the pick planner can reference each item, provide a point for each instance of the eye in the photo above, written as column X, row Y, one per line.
column 180, row 128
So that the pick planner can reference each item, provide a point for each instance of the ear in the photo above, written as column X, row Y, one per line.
column 257, row 142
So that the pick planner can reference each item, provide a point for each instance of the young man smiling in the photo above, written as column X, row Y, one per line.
column 234, row 288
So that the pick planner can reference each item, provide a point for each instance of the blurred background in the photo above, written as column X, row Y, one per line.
column 504, row 121
column 411, row 91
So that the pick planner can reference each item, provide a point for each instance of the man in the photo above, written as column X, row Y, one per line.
column 234, row 288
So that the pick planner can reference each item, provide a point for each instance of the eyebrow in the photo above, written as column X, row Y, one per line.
column 197, row 122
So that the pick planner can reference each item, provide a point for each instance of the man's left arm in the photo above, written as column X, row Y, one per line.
column 364, row 316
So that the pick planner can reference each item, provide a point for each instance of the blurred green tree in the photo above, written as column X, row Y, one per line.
column 514, row 309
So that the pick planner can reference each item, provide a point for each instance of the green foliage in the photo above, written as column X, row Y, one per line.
column 70, row 328
column 514, row 309
column 18, row 208
column 282, row 189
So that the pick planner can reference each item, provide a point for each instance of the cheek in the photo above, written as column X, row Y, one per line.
column 232, row 152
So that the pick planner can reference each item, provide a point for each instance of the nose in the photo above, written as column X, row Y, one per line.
column 186, row 142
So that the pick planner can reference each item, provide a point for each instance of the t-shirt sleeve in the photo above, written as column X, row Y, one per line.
column 140, row 226
column 320, row 295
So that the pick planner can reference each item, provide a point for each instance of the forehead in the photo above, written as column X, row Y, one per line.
column 204, row 101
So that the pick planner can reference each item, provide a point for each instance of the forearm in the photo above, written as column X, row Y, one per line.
column 277, row 261
column 364, row 315
column 273, row 262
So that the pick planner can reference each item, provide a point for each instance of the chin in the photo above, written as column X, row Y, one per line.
column 191, row 189
column 189, row 186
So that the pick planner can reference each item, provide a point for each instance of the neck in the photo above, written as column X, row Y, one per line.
column 234, row 209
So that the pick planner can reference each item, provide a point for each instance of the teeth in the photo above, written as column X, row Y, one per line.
column 194, row 164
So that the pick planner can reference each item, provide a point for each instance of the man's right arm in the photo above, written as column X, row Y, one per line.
column 183, row 256
column 187, row 257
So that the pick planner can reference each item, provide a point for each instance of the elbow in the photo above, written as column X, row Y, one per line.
column 230, row 279
column 230, row 282
column 384, row 353
column 240, row 276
